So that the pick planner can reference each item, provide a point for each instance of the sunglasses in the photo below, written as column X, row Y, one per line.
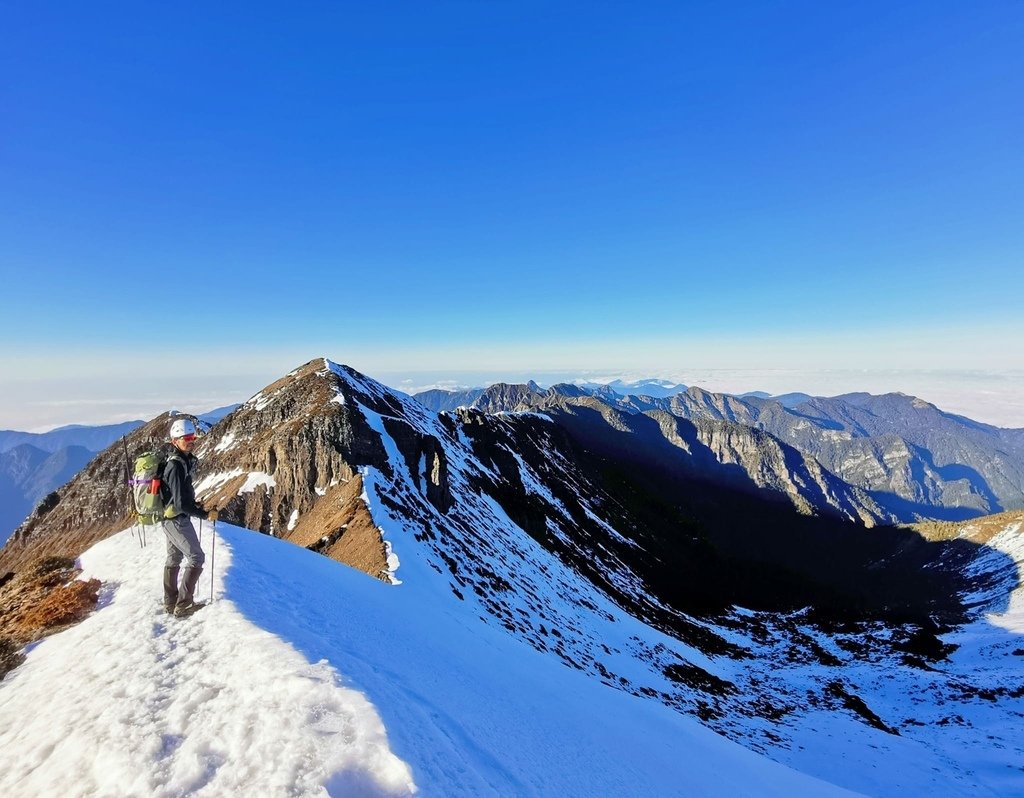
column 187, row 438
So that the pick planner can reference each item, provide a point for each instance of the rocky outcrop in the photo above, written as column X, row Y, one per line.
column 280, row 451
column 284, row 463
column 287, row 462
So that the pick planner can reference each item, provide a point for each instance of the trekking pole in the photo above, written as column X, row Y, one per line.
column 128, row 487
column 213, row 552
column 200, row 531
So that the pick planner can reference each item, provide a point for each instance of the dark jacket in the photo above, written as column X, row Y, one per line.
column 176, row 485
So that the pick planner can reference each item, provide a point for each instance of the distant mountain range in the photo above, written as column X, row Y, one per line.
column 27, row 474
column 877, row 459
column 909, row 459
column 95, row 439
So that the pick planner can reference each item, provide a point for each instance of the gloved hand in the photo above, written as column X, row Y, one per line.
column 211, row 515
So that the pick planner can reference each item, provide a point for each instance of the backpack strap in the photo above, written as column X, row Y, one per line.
column 175, row 455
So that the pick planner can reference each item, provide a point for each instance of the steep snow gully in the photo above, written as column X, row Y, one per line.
column 308, row 678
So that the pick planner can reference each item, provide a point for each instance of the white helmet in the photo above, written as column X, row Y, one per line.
column 181, row 427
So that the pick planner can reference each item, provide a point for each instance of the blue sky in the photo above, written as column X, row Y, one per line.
column 459, row 185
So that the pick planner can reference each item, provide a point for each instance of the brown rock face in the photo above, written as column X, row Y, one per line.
column 285, row 463
column 340, row 527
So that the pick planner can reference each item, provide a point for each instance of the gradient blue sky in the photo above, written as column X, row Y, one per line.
column 235, row 188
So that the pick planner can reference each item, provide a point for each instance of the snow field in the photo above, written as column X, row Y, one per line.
column 946, row 755
column 133, row 702
column 475, row 712
column 246, row 698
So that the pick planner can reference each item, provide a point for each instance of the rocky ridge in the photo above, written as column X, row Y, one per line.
column 723, row 449
column 905, row 456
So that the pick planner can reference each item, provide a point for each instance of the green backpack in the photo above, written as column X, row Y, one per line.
column 149, row 470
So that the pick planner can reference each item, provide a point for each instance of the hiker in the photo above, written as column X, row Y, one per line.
column 179, row 500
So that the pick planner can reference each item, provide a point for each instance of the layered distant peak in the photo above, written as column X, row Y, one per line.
column 606, row 392
column 569, row 389
column 696, row 401
column 503, row 397
column 874, row 414
column 657, row 389
column 439, row 400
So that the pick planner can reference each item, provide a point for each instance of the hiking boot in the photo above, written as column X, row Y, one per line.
column 189, row 581
column 170, row 587
column 184, row 610
column 169, row 609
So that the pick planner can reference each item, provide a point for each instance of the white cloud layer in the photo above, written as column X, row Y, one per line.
column 994, row 397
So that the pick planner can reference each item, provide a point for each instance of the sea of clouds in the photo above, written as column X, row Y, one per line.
column 993, row 397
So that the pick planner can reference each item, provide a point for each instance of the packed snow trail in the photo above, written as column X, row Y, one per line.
column 133, row 703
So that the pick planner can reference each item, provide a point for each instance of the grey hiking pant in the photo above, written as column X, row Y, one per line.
column 182, row 543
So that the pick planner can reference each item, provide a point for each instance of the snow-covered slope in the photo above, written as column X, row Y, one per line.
column 861, row 707
column 308, row 678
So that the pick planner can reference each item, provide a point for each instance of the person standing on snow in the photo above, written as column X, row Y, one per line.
column 179, row 499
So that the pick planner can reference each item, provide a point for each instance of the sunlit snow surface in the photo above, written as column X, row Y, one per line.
column 951, row 739
column 133, row 702
column 308, row 678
